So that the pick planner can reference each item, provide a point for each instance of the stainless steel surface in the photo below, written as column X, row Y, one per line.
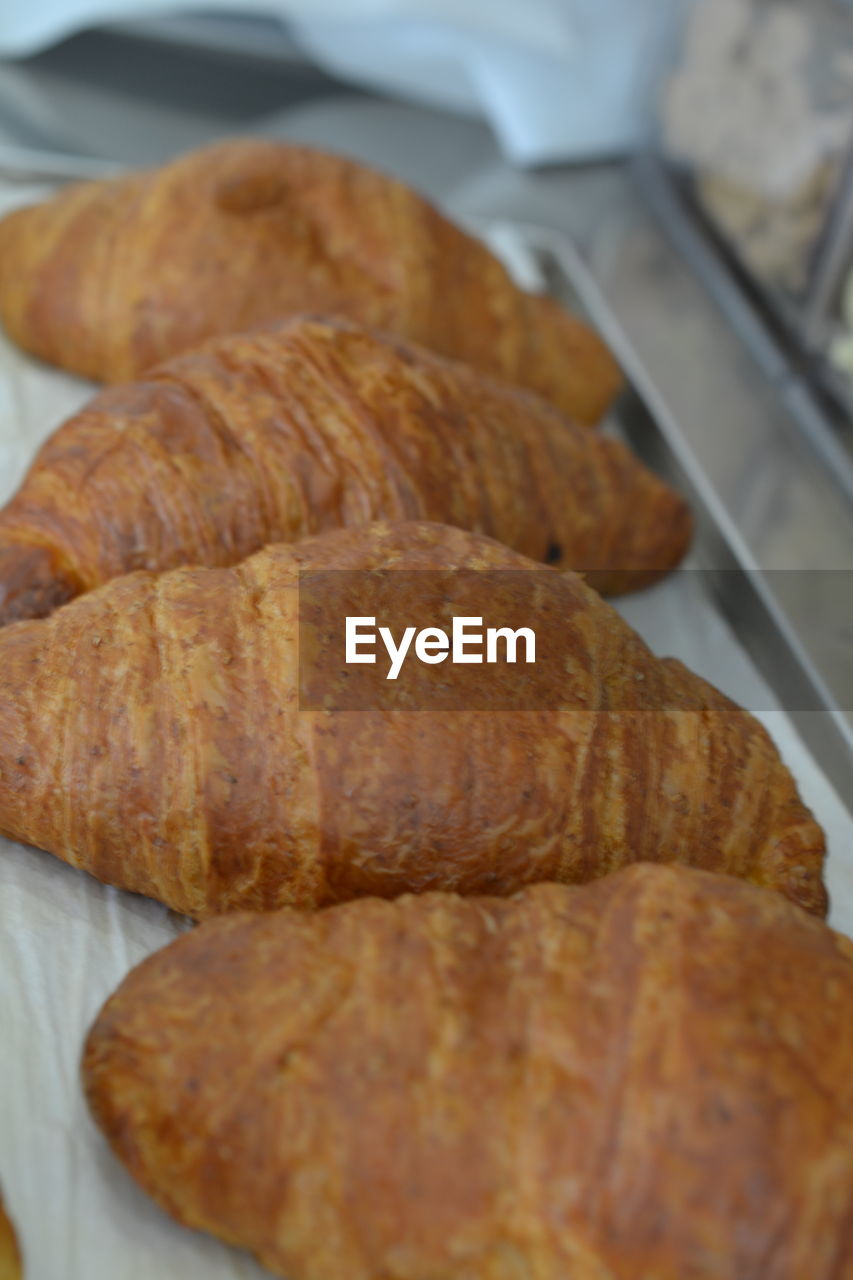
column 802, row 331
column 831, row 435
column 834, row 257
column 762, row 607
column 132, row 96
column 33, row 164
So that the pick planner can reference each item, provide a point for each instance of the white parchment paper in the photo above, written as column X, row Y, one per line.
column 66, row 942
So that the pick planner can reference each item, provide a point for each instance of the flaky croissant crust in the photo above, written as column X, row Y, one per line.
column 651, row 1076
column 152, row 733
column 271, row 437
column 108, row 278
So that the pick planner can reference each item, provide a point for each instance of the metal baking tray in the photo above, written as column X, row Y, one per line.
column 721, row 563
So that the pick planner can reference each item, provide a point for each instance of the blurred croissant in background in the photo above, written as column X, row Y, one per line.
column 111, row 277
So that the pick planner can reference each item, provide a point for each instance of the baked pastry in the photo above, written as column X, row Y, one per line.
column 275, row 436
column 112, row 277
column 10, row 1258
column 160, row 734
column 651, row 1076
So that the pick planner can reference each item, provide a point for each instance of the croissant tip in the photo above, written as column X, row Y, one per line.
column 32, row 584
column 792, row 861
column 671, row 536
column 806, row 889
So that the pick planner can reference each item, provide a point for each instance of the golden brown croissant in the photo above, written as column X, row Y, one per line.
column 647, row 1077
column 274, row 436
column 154, row 733
column 108, row 278
column 10, row 1258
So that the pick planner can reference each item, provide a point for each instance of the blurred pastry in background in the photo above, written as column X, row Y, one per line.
column 760, row 113
column 111, row 277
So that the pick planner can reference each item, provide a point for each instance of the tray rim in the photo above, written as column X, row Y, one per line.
column 739, row 589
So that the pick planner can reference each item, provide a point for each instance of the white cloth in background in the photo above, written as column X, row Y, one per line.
column 556, row 79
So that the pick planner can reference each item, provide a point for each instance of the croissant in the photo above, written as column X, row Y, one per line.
column 111, row 277
column 651, row 1076
column 275, row 436
column 158, row 733
column 10, row 1258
